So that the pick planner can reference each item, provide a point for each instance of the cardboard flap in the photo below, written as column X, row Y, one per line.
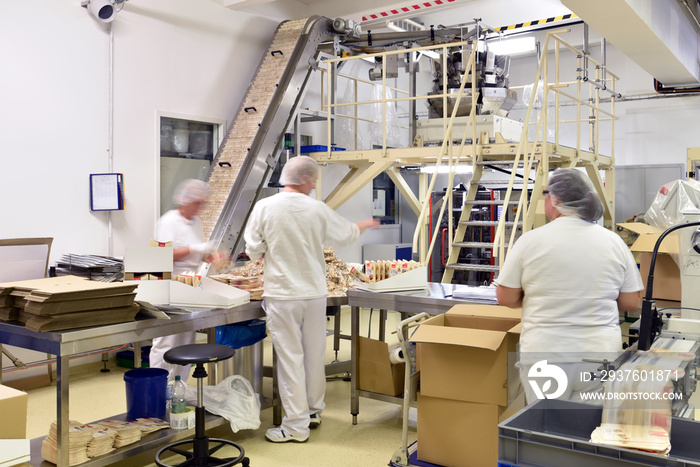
column 148, row 259
column 493, row 311
column 477, row 338
column 640, row 228
column 646, row 243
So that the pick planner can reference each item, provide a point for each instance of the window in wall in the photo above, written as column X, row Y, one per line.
column 187, row 150
column 385, row 199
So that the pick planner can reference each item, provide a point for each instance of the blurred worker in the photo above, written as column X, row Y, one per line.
column 182, row 227
column 289, row 230
column 571, row 277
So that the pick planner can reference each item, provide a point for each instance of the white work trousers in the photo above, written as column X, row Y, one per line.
column 298, row 332
column 162, row 345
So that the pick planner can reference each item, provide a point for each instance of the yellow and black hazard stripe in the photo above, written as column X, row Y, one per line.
column 553, row 19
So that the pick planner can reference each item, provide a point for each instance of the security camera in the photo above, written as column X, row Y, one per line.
column 102, row 10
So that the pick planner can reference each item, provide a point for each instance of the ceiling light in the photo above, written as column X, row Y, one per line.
column 516, row 45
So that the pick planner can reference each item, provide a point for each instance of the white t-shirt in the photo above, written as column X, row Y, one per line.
column 172, row 227
column 571, row 272
column 290, row 229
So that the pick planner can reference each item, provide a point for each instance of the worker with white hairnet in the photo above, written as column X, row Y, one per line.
column 571, row 277
column 183, row 227
column 289, row 231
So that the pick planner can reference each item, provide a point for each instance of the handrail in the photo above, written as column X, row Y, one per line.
column 527, row 151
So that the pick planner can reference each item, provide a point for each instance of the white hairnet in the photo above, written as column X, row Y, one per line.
column 298, row 170
column 190, row 191
column 574, row 194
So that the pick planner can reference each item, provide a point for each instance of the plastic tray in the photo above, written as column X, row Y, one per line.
column 555, row 433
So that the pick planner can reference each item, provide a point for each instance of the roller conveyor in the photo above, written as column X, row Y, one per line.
column 248, row 154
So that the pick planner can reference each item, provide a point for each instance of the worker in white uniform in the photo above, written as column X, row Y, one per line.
column 571, row 277
column 183, row 227
column 289, row 231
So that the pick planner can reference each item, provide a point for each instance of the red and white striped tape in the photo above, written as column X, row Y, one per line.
column 406, row 9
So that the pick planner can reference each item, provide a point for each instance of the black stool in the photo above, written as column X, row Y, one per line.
column 200, row 453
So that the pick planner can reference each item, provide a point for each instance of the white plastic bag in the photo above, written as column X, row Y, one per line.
column 234, row 399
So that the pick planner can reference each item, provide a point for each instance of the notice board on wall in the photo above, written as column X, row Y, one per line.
column 107, row 192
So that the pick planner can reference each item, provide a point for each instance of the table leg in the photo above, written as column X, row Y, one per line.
column 382, row 325
column 354, row 364
column 276, row 402
column 62, row 412
column 336, row 331
column 137, row 354
column 211, row 339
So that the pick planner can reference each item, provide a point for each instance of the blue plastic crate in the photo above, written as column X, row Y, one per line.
column 317, row 148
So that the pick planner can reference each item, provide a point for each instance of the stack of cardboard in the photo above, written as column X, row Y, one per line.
column 467, row 383
column 67, row 302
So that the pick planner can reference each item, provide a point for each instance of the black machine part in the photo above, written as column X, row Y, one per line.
column 650, row 322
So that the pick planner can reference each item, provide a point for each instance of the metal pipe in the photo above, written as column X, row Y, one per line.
column 585, row 52
column 50, row 361
column 110, row 130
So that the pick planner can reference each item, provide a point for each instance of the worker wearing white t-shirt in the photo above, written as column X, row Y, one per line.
column 289, row 230
column 182, row 227
column 571, row 277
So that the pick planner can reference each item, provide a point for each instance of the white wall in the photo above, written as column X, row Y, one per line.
column 182, row 57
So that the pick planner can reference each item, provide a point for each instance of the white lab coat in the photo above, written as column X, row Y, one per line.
column 290, row 229
column 173, row 227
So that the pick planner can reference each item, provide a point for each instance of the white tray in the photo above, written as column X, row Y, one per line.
column 415, row 279
column 211, row 294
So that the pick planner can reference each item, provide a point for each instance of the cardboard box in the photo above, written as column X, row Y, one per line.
column 376, row 373
column 464, row 354
column 13, row 407
column 461, row 434
column 667, row 276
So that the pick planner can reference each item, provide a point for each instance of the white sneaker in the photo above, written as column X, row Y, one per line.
column 315, row 420
column 278, row 435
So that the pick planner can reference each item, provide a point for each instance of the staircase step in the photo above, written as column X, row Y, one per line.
column 486, row 223
column 472, row 244
column 497, row 182
column 487, row 202
column 501, row 163
column 472, row 267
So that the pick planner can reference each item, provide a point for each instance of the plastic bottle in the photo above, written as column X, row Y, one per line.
column 178, row 396
column 168, row 400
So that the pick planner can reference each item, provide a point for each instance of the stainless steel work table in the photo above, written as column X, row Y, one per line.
column 63, row 344
column 434, row 300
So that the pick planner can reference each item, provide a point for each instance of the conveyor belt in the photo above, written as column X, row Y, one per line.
column 248, row 154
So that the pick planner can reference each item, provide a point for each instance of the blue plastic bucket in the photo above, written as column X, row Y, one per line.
column 145, row 392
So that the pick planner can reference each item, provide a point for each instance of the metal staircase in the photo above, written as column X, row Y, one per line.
column 535, row 156
column 455, row 261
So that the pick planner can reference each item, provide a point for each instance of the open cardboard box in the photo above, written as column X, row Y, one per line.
column 414, row 279
column 463, row 354
column 667, row 276
column 376, row 372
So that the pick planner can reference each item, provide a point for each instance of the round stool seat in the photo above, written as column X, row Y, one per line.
column 198, row 353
